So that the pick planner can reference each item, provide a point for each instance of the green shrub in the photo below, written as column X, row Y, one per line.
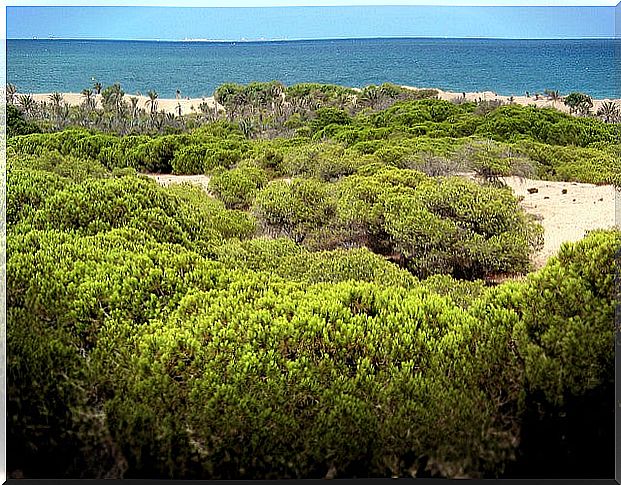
column 237, row 188
column 294, row 209
column 16, row 124
column 276, row 381
column 156, row 155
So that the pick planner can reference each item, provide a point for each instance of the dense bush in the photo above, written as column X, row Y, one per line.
column 438, row 225
column 16, row 124
column 294, row 209
column 205, row 373
column 325, row 161
column 178, row 215
column 431, row 135
column 237, row 188
column 151, row 336
column 283, row 258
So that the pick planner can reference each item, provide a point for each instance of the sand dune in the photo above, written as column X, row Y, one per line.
column 166, row 180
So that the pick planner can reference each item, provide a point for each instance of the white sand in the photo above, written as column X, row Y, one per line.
column 168, row 105
column 567, row 217
column 542, row 102
column 166, row 180
column 564, row 217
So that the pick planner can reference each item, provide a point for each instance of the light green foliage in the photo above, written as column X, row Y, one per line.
column 597, row 164
column 237, row 188
column 151, row 333
column 565, row 334
column 182, row 215
column 283, row 258
column 294, row 209
column 280, row 381
column 325, row 161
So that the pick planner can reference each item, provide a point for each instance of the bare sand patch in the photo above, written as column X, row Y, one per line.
column 201, row 181
column 566, row 210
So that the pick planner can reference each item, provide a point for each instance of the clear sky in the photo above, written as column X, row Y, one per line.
column 173, row 23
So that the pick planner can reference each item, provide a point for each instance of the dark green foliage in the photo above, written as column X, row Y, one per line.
column 565, row 335
column 329, row 116
column 155, row 155
column 207, row 155
column 449, row 226
column 545, row 125
column 16, row 124
column 579, row 103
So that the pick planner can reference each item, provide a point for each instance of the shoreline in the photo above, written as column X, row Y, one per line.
column 191, row 105
column 168, row 105
column 541, row 102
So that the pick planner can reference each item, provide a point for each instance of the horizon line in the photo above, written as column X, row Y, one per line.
column 301, row 39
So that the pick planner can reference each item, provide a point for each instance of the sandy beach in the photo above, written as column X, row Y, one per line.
column 565, row 217
column 191, row 105
column 540, row 102
column 168, row 105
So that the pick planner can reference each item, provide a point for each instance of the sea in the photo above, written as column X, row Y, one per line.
column 196, row 69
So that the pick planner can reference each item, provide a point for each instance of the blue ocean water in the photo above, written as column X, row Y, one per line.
column 509, row 67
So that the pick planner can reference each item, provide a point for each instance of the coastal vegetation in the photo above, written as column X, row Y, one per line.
column 386, row 124
column 328, row 307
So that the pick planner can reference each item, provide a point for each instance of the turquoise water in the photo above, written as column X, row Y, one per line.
column 508, row 67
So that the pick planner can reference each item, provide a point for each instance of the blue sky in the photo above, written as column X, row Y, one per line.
column 172, row 23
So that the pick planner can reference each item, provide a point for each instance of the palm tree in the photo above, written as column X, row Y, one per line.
column 552, row 94
column 112, row 98
column 609, row 112
column 158, row 119
column 97, row 87
column 241, row 102
column 134, row 106
column 152, row 101
column 11, row 91
column 370, row 96
column 89, row 99
column 63, row 113
column 56, row 99
column 247, row 127
column 579, row 103
column 27, row 104
column 205, row 110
